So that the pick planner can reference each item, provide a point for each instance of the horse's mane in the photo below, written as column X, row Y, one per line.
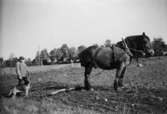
column 138, row 37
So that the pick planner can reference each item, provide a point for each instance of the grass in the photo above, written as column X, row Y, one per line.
column 45, row 106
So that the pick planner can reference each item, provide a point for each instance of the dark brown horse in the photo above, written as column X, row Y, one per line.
column 139, row 45
column 106, row 58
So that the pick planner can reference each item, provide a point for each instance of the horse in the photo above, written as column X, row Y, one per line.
column 106, row 58
column 139, row 45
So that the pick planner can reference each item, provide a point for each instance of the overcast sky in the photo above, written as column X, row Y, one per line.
column 27, row 25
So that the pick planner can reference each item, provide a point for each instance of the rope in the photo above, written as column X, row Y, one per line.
column 139, row 51
column 136, row 50
column 98, row 73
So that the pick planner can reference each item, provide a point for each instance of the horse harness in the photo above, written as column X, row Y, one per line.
column 113, row 53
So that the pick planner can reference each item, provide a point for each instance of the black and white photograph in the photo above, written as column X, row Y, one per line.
column 83, row 56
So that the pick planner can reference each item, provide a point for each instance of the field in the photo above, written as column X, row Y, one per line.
column 145, row 92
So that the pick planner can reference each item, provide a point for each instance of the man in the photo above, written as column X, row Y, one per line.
column 22, row 71
column 23, row 74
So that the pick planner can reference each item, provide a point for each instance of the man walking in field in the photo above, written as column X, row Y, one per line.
column 22, row 71
column 22, row 75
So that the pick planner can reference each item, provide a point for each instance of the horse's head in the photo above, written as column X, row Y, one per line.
column 146, row 45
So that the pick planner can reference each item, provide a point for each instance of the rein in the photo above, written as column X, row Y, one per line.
column 132, row 49
column 136, row 50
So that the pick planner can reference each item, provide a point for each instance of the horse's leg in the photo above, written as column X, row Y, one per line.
column 118, row 76
column 139, row 64
column 120, row 81
column 137, row 60
column 87, row 76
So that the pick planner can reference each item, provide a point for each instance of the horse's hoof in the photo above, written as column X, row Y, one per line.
column 123, row 87
column 92, row 89
column 115, row 88
column 87, row 88
column 120, row 84
column 139, row 65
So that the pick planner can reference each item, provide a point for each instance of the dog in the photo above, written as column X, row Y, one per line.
column 23, row 88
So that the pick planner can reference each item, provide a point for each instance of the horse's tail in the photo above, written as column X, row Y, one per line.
column 85, row 57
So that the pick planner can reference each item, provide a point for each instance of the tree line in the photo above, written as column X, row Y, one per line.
column 66, row 54
column 63, row 54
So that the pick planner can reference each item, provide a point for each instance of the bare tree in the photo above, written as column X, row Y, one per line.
column 44, row 55
column 158, row 43
column 72, row 52
column 53, row 55
column 65, row 50
column 159, row 46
